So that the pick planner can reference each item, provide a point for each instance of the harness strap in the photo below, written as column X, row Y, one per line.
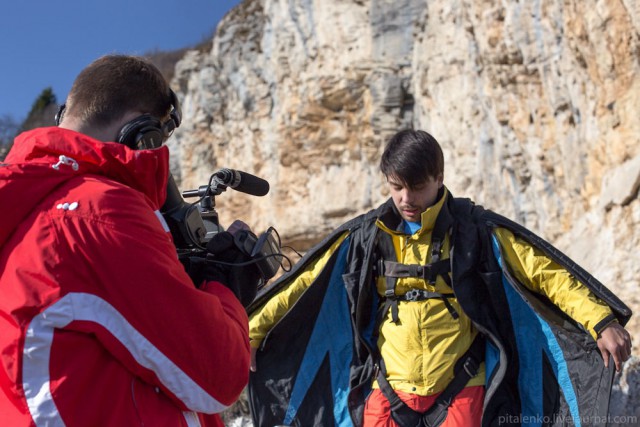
column 450, row 308
column 421, row 295
column 385, row 249
column 437, row 267
column 444, row 221
column 465, row 368
column 412, row 295
column 393, row 270
column 427, row 272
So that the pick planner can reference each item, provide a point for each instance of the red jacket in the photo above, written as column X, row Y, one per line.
column 99, row 323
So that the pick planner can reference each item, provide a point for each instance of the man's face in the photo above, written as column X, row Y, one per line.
column 411, row 202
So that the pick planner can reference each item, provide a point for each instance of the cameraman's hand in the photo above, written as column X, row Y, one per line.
column 223, row 253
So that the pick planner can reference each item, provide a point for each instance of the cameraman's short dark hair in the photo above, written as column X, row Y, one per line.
column 114, row 84
column 412, row 156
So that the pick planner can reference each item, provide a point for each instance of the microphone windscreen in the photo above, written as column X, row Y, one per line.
column 251, row 184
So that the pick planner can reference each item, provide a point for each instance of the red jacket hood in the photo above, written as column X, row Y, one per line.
column 27, row 175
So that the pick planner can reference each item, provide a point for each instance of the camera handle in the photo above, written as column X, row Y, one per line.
column 184, row 220
column 206, row 208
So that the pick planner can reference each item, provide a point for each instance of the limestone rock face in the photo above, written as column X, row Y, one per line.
column 623, row 406
column 536, row 105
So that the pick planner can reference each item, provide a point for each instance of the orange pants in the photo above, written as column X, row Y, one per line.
column 465, row 410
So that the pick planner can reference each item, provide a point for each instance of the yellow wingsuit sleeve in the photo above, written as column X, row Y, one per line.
column 544, row 276
column 263, row 319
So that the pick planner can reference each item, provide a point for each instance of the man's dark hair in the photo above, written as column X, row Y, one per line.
column 115, row 84
column 412, row 156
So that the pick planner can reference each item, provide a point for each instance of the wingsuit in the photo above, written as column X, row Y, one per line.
column 318, row 361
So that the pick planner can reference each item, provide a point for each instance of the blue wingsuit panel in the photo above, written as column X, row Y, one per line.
column 312, row 370
column 553, row 359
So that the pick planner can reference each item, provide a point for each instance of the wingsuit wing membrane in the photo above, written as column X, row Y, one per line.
column 306, row 357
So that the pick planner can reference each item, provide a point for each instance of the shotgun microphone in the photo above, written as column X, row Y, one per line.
column 241, row 181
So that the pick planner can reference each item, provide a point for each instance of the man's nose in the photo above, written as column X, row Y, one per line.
column 407, row 195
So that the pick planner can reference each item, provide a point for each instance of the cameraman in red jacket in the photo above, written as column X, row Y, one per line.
column 100, row 324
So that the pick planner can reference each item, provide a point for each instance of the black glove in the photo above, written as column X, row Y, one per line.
column 194, row 266
column 223, row 251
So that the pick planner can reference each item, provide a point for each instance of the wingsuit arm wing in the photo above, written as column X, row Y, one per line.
column 265, row 317
column 542, row 275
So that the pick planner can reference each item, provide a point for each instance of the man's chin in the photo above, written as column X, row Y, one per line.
column 411, row 217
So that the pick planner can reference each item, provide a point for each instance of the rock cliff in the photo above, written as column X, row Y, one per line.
column 536, row 105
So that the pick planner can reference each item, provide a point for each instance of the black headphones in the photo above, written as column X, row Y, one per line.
column 145, row 131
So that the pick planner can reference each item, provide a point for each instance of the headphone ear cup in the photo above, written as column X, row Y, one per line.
column 143, row 132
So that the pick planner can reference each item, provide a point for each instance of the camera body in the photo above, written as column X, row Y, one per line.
column 192, row 225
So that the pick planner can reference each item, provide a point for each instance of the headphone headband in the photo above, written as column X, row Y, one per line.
column 59, row 114
column 176, row 111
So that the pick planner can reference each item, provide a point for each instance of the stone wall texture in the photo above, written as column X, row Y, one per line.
column 536, row 105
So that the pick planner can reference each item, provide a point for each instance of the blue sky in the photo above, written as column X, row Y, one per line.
column 46, row 43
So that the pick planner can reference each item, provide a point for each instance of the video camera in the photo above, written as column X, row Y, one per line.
column 192, row 225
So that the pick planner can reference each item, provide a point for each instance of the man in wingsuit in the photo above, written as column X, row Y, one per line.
column 431, row 310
